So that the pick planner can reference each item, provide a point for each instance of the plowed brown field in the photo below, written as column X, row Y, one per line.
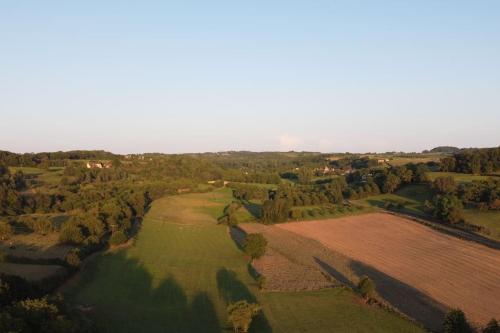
column 453, row 272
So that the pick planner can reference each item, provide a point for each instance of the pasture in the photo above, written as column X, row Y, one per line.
column 459, row 177
column 184, row 269
column 412, row 197
column 441, row 270
column 50, row 176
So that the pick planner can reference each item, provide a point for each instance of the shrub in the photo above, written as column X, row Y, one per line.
column 261, row 281
column 241, row 314
column 455, row 322
column 71, row 234
column 117, row 238
column 366, row 287
column 6, row 230
column 73, row 258
column 295, row 214
column 492, row 327
column 255, row 245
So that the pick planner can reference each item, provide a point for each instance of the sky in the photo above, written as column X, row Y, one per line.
column 195, row 76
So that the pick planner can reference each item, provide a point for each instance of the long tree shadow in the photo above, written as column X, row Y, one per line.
column 125, row 298
column 231, row 290
column 334, row 273
column 253, row 208
column 404, row 297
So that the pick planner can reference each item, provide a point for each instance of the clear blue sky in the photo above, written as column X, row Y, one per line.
column 189, row 76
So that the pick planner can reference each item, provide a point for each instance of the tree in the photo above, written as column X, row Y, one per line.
column 71, row 234
column 366, row 287
column 391, row 183
column 241, row 314
column 255, row 245
column 455, row 322
column 448, row 208
column 444, row 185
column 492, row 327
column 276, row 210
column 448, row 164
column 305, row 176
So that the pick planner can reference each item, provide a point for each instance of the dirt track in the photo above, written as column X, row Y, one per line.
column 400, row 252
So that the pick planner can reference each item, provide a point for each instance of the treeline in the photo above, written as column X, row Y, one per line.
column 52, row 158
column 449, row 197
column 79, row 174
column 10, row 185
column 25, row 309
column 475, row 161
column 367, row 182
column 278, row 206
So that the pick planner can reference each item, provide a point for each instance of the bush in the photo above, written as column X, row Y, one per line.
column 71, row 234
column 492, row 327
column 366, row 287
column 295, row 214
column 261, row 281
column 241, row 314
column 255, row 245
column 455, row 322
column 117, row 238
column 73, row 258
column 6, row 230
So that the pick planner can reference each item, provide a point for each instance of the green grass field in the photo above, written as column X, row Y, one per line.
column 459, row 177
column 489, row 219
column 180, row 275
column 51, row 176
column 412, row 196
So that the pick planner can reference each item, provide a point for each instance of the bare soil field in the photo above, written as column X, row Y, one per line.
column 412, row 264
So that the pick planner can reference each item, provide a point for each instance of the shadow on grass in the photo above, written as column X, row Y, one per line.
column 253, row 208
column 231, row 290
column 238, row 236
column 404, row 297
column 334, row 273
column 125, row 298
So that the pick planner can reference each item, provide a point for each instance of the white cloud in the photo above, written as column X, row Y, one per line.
column 288, row 142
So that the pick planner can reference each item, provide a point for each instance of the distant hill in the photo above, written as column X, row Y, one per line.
column 444, row 149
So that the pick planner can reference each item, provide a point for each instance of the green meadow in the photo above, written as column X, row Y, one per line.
column 183, row 271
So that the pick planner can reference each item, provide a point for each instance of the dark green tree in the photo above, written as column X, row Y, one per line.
column 455, row 322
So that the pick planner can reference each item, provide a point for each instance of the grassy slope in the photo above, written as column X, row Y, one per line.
column 459, row 177
column 413, row 197
column 179, row 276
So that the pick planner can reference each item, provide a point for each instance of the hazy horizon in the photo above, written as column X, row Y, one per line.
column 221, row 76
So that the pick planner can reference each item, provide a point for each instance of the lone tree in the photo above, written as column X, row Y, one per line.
column 366, row 287
column 492, row 327
column 255, row 245
column 448, row 208
column 241, row 314
column 455, row 322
